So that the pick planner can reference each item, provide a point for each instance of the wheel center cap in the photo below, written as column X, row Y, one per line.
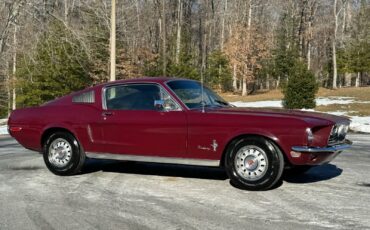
column 60, row 153
column 251, row 163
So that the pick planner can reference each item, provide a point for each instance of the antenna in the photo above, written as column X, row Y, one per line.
column 202, row 69
column 202, row 86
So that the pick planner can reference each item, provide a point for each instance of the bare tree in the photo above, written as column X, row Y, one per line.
column 113, row 43
column 178, row 33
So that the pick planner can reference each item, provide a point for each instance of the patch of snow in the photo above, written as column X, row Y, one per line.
column 258, row 104
column 3, row 130
column 278, row 103
column 3, row 126
column 334, row 100
column 360, row 124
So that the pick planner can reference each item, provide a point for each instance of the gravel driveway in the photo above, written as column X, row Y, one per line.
column 126, row 195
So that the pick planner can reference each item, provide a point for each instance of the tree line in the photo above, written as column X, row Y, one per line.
column 49, row 48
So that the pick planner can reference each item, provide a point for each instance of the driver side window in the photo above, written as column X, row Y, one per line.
column 137, row 97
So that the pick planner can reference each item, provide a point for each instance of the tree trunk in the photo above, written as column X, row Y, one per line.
column 268, row 82
column 178, row 36
column 301, row 28
column 66, row 11
column 244, row 87
column 358, row 77
column 164, row 45
column 7, row 87
column 138, row 15
column 278, row 82
column 113, row 42
column 235, row 85
column 249, row 15
column 344, row 21
column 309, row 55
column 222, row 39
column 334, row 45
column 14, row 97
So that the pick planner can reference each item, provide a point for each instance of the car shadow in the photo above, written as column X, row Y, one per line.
column 157, row 169
column 315, row 174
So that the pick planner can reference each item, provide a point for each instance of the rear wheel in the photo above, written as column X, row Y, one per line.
column 63, row 155
column 254, row 163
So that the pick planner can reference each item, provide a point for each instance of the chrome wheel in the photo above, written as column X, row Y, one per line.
column 60, row 152
column 251, row 162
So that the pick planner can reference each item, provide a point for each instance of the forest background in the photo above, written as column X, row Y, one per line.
column 49, row 48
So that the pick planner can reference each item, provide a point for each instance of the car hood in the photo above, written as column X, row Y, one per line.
column 314, row 118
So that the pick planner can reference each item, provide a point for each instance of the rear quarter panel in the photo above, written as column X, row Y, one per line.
column 61, row 113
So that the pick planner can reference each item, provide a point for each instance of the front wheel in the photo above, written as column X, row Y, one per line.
column 254, row 163
column 63, row 155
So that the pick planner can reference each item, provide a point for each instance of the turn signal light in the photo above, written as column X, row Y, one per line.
column 295, row 154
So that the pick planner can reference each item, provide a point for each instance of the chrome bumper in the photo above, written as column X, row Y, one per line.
column 330, row 149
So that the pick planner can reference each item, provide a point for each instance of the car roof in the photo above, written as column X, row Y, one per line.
column 143, row 79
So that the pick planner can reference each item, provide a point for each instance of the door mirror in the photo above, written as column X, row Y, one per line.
column 159, row 104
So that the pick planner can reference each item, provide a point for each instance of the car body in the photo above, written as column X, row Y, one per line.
column 171, row 120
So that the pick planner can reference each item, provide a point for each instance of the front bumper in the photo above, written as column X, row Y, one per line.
column 303, row 155
column 330, row 149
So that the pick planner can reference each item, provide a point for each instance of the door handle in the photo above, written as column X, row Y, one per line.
column 105, row 114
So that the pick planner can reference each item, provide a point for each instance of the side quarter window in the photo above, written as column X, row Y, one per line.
column 87, row 97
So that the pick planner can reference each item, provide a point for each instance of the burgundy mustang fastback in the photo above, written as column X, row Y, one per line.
column 170, row 120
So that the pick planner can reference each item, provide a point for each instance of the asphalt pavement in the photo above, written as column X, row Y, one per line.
column 127, row 195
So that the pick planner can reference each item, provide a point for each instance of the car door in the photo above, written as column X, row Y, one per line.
column 131, row 123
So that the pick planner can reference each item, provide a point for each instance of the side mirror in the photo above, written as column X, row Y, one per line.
column 159, row 104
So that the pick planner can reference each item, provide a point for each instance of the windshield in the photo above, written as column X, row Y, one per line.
column 190, row 93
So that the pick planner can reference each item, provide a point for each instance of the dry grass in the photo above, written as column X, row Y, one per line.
column 354, row 109
column 357, row 109
column 259, row 96
column 361, row 94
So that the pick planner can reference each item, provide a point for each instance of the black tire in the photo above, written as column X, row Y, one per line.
column 76, row 155
column 272, row 169
column 297, row 170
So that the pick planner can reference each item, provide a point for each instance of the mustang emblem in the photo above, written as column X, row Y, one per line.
column 214, row 146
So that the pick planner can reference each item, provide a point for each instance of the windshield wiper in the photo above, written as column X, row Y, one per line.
column 222, row 102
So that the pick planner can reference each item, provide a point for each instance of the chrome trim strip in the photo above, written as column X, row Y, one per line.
column 167, row 160
column 330, row 149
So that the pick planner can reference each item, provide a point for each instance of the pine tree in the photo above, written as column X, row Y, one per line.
column 58, row 67
column 300, row 89
column 218, row 73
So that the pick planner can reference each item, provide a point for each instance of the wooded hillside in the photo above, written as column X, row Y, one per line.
column 51, row 47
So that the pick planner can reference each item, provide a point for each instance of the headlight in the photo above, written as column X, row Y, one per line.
column 342, row 132
column 338, row 133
